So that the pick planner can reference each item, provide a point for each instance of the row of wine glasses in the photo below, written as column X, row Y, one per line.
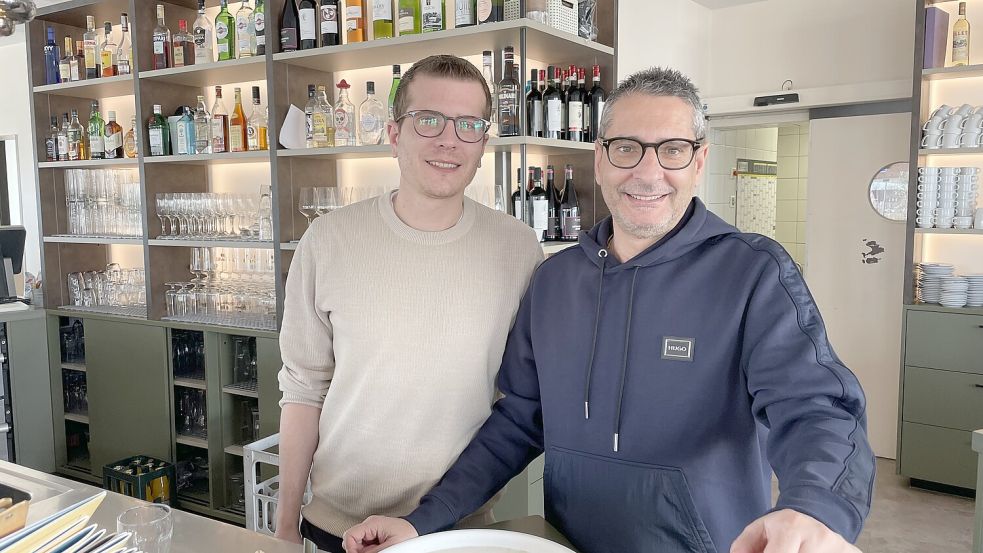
column 103, row 202
column 316, row 201
column 114, row 287
column 212, row 216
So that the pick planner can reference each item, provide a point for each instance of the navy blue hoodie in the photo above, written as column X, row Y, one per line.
column 664, row 390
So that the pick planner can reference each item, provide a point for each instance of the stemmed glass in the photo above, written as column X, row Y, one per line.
column 307, row 204
column 326, row 199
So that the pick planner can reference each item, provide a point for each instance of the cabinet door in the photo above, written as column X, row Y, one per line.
column 268, row 365
column 129, row 411
column 943, row 398
column 938, row 455
column 944, row 341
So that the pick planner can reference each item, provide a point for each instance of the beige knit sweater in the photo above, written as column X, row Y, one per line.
column 397, row 335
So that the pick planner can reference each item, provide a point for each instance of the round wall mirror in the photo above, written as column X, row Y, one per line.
column 888, row 191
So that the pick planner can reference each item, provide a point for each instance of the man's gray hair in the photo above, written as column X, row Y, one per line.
column 657, row 81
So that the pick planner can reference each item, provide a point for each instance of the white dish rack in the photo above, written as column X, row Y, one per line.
column 261, row 495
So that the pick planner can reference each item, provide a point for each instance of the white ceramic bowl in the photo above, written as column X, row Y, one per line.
column 478, row 541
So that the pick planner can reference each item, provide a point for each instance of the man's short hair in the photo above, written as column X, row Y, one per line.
column 658, row 81
column 444, row 66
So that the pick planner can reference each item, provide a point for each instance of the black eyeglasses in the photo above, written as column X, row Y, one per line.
column 430, row 124
column 673, row 153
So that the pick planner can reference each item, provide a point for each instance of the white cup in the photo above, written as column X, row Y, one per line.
column 934, row 124
column 932, row 141
column 965, row 109
column 969, row 139
column 950, row 140
column 974, row 121
column 978, row 219
column 929, row 179
column 942, row 110
column 953, row 122
column 929, row 171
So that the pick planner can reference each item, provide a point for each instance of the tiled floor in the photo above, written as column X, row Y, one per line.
column 909, row 520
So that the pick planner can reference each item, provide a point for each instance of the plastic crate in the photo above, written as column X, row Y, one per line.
column 261, row 495
column 130, row 477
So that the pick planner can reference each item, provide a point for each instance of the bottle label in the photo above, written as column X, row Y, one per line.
column 540, row 215
column 113, row 141
column 433, row 19
column 51, row 148
column 64, row 71
column 554, row 115
column 235, row 138
column 406, row 20
column 308, row 25
column 107, row 59
column 74, row 71
column 260, row 24
column 201, row 37
column 329, row 20
column 960, row 46
column 575, row 119
column 218, row 134
column 179, row 56
column 182, row 140
column 484, row 10
column 89, row 50
column 536, row 119
column 96, row 145
column 319, row 129
column 221, row 30
column 158, row 47
column 570, row 220
column 156, row 142
column 368, row 123
column 600, row 111
column 463, row 14
column 288, row 38
column 517, row 208
column 342, row 122
column 352, row 16
column 62, row 144
column 382, row 9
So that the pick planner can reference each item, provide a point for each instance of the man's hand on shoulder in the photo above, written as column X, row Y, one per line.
column 789, row 531
column 377, row 533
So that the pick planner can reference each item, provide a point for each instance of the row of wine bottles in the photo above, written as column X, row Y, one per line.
column 551, row 210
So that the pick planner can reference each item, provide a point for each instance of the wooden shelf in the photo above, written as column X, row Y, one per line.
column 255, row 244
column 209, row 74
column 94, row 89
column 91, row 240
column 946, row 73
column 543, row 43
column 258, row 156
column 950, row 152
column 197, row 384
column 534, row 146
column 976, row 231
column 78, row 367
column 192, row 441
column 76, row 417
column 88, row 163
column 289, row 246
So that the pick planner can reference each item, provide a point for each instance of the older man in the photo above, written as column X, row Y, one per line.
column 666, row 367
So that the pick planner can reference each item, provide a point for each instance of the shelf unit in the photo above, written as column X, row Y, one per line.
column 933, row 438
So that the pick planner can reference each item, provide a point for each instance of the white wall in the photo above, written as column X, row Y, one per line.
column 793, row 170
column 817, row 44
column 672, row 33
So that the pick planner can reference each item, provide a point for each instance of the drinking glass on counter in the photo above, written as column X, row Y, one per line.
column 103, row 202
column 150, row 526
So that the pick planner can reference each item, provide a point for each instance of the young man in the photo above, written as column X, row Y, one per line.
column 396, row 314
column 677, row 365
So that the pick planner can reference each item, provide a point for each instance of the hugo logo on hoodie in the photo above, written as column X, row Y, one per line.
column 677, row 349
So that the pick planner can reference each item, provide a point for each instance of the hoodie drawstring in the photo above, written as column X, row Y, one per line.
column 624, row 361
column 603, row 253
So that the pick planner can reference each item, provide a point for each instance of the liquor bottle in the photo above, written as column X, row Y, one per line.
column 371, row 117
column 237, row 125
column 89, row 47
column 259, row 27
column 113, row 138
column 307, row 11
column 315, row 119
column 344, row 117
column 51, row 141
column 554, row 228
column 159, row 134
column 534, row 109
column 65, row 63
column 488, row 73
column 130, row 140
column 78, row 65
column 575, row 110
column 185, row 134
column 328, row 111
column 52, row 60
column 97, row 131
column 245, row 31
column 569, row 208
column 330, row 35
column 491, row 11
column 432, row 14
column 464, row 13
column 225, row 33
column 960, row 38
column 355, row 21
column 289, row 27
column 107, row 54
column 257, row 126
column 162, row 41
column 204, row 33
column 382, row 19
column 508, row 103
column 409, row 17
column 124, row 52
column 184, row 45
column 596, row 99
column 63, row 138
column 519, row 209
column 553, row 101
column 78, row 146
column 203, row 128
column 220, row 124
column 392, row 90
column 539, row 205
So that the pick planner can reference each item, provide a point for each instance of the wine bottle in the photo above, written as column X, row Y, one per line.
column 308, row 24
column 553, row 107
column 508, row 103
column 382, row 19
column 534, row 110
column 575, row 111
column 330, row 35
column 596, row 99
column 960, row 38
column 538, row 205
column 554, row 227
column 490, row 11
column 464, row 13
column 289, row 27
column 569, row 208
column 355, row 20
column 245, row 31
column 409, row 17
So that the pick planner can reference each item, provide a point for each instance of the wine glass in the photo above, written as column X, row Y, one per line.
column 308, row 204
column 326, row 199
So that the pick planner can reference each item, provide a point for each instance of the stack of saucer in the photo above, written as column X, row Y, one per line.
column 929, row 280
column 974, row 297
column 955, row 291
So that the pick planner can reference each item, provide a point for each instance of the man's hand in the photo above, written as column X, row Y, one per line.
column 789, row 531
column 287, row 533
column 377, row 533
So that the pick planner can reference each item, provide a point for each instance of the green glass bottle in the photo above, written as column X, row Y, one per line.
column 225, row 33
column 382, row 19
column 409, row 17
column 159, row 133
column 97, row 128
column 392, row 89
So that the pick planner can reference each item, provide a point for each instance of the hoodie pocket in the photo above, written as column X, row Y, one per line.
column 606, row 505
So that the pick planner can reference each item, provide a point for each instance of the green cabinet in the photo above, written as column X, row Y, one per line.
column 944, row 341
column 30, row 383
column 935, row 454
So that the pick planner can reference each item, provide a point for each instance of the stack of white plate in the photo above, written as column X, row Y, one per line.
column 929, row 279
column 955, row 291
column 974, row 297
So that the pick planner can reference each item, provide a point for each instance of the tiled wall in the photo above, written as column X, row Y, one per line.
column 719, row 188
column 793, row 168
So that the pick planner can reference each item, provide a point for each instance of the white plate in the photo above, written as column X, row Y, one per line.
column 478, row 541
